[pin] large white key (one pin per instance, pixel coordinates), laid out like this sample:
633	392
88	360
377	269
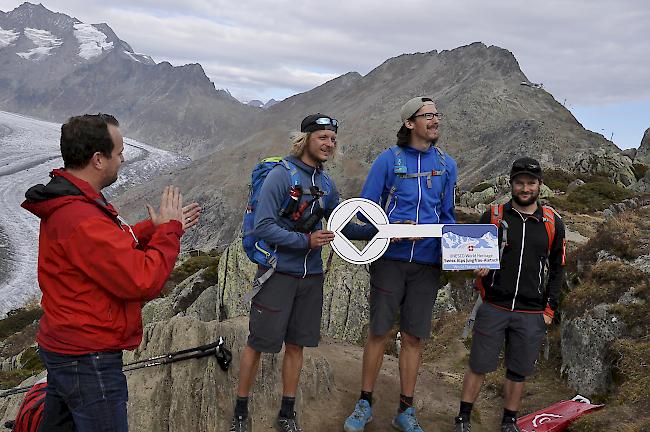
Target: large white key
376	247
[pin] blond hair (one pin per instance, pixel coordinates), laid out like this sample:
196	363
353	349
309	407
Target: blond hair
299	142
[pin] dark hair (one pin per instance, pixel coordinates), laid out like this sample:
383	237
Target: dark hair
403	136
83	136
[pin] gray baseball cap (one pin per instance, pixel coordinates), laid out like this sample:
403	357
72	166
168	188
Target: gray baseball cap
412	106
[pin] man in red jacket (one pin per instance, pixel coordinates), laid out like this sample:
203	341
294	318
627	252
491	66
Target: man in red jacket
95	271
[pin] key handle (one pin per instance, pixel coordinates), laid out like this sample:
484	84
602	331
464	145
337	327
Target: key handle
376	247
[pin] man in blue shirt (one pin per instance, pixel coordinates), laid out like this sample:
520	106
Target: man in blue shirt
414	182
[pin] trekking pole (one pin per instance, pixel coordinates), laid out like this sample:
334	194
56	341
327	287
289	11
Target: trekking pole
15	391
223	355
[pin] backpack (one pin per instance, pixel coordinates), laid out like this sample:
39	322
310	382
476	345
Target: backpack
496	218
30	412
399	169
258	250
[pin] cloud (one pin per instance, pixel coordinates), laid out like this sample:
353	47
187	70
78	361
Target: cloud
587	51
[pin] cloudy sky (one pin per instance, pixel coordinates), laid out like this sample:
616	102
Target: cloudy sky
592	55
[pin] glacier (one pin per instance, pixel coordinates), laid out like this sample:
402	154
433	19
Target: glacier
29	150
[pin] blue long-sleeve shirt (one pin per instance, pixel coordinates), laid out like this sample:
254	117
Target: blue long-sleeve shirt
293	253
414	200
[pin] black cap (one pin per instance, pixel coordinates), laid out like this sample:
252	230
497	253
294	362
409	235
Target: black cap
526	165
318	121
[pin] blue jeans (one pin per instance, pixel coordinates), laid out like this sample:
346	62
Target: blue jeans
87	390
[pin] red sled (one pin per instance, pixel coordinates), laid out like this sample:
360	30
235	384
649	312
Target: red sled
558	416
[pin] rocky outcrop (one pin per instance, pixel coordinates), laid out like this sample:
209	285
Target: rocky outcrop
585	342
643	153
178	301
615	166
196	394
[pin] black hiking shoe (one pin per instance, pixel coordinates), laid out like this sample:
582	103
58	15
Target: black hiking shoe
241	424
509	427
287	424
462	425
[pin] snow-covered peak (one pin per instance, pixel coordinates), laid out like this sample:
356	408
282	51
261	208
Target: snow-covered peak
92	42
7	37
44	41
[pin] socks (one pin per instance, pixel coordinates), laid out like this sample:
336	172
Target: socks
509	416
241	407
405	402
287	407
367	396
465	410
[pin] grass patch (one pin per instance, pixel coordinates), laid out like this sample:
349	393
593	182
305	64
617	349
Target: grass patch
30	365
17	320
605	283
210	262
591	197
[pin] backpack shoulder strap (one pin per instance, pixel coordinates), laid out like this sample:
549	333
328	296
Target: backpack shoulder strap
549	223
496	214
399	169
293	172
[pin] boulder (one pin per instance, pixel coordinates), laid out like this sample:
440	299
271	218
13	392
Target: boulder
574	185
615	166
585	342
178	300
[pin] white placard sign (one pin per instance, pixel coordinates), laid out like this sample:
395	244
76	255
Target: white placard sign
470	246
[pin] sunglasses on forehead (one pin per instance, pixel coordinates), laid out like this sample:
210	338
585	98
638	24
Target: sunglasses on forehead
326	121
526	167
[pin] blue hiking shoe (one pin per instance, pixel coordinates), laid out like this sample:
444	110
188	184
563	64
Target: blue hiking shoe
406	421
360	417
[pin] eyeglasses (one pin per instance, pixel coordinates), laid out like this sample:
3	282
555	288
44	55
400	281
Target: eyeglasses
429	116
327	121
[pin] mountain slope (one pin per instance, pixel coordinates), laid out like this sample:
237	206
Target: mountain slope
490	119
53	66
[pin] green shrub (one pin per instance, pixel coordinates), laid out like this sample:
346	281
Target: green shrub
191	266
17	320
592	197
558	179
481	187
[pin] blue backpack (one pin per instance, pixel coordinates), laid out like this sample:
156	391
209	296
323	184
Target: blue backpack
258	250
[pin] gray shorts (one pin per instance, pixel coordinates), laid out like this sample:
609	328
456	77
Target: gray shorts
287	309
410	288
521	332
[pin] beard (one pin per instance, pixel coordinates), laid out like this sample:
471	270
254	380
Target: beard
526	202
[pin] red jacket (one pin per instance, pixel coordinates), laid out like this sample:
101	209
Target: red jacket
93	273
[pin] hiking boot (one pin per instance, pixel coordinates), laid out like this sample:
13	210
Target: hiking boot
287	424
509	427
406	421
462	425
360	417
241	424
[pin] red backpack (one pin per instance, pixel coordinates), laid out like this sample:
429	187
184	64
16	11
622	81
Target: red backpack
31	410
